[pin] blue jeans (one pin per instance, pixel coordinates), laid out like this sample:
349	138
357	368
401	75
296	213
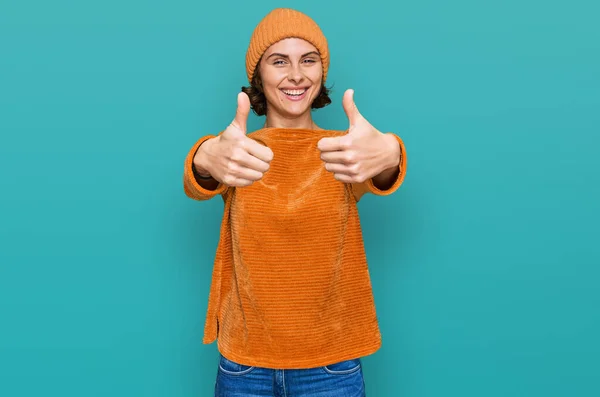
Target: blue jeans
342	379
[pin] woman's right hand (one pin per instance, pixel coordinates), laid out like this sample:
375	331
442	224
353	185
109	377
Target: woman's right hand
232	158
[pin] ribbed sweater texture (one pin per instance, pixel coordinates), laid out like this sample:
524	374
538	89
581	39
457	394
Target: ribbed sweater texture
290	282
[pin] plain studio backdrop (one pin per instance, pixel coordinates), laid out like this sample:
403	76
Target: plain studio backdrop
484	264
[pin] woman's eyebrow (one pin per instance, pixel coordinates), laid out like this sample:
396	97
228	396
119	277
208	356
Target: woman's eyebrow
287	56
278	55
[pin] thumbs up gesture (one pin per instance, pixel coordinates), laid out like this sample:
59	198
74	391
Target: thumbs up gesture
362	153
233	158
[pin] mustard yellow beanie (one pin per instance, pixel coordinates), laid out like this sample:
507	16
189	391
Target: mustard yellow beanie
279	24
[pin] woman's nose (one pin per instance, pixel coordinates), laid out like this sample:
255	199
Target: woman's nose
295	75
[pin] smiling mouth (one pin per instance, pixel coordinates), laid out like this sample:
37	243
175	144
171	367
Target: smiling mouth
294	94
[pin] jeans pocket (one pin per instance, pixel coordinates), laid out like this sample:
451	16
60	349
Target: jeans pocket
230	367
343	367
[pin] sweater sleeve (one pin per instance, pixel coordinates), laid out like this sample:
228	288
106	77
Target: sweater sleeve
191	187
359	189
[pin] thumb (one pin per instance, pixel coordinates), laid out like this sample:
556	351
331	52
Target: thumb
350	107
243	109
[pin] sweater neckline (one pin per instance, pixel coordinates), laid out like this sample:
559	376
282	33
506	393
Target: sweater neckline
290	129
284	133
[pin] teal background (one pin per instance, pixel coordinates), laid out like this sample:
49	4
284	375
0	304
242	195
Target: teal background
485	264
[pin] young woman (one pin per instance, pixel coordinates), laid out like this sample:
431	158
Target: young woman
290	303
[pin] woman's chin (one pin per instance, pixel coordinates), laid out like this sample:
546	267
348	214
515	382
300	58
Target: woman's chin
295	113
295	109
291	110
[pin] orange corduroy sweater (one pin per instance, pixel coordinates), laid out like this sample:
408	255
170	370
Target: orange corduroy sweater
290	283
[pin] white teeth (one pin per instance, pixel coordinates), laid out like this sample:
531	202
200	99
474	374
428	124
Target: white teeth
294	92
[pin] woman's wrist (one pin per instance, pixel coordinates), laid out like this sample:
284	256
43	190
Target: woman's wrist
201	172
198	175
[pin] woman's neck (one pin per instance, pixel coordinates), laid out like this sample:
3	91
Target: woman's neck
304	121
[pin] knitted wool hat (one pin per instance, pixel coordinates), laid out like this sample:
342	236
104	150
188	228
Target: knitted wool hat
279	24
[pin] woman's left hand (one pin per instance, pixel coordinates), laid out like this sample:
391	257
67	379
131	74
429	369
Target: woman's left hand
361	154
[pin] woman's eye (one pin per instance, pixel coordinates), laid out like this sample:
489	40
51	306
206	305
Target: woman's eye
281	61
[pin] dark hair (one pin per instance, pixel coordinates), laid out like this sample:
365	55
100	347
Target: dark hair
258	101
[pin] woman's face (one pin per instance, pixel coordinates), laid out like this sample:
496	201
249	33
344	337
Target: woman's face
291	73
